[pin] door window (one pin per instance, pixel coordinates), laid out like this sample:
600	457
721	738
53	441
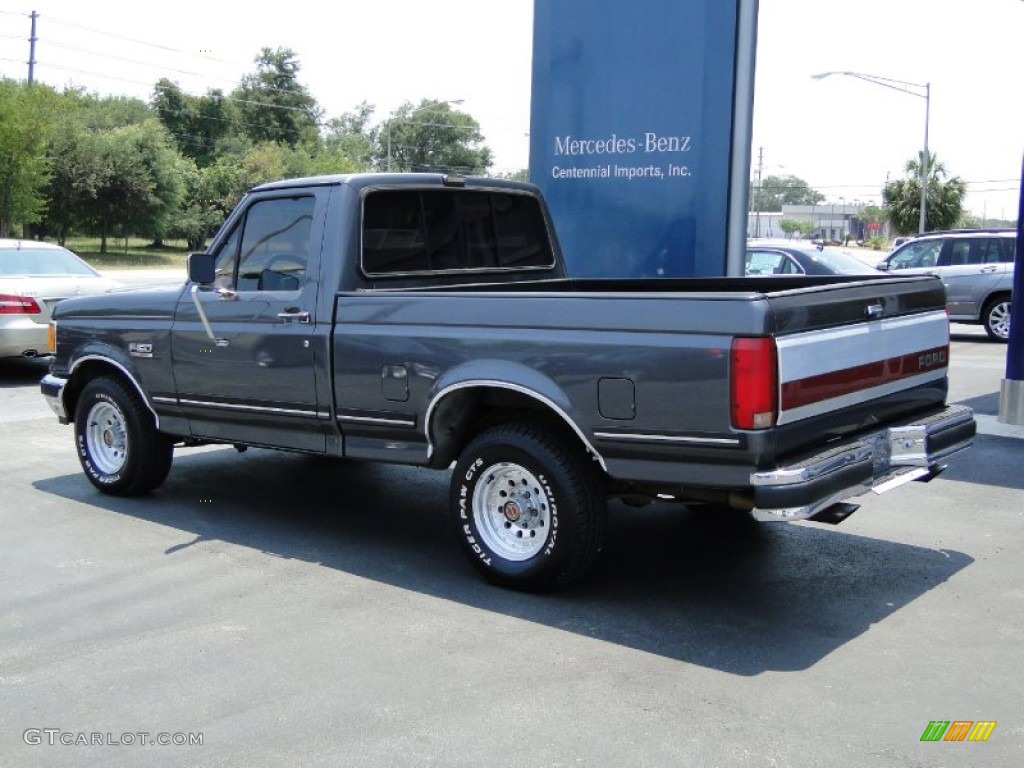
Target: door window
923	255
268	250
966	252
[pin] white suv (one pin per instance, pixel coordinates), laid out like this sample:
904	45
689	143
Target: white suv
976	266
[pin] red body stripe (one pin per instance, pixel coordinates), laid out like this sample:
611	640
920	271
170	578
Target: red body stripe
825	386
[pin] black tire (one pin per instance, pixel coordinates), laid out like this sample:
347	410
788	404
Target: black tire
996	318
529	507
120	449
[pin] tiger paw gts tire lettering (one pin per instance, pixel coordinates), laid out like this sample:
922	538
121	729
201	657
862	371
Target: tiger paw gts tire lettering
118	445
529	507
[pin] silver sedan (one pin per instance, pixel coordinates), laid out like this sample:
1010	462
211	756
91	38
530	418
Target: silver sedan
34	276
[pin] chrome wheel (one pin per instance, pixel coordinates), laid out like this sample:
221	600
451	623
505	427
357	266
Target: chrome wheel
997	320
512	511
107	437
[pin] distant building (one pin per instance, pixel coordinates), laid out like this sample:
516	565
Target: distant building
765	225
832	221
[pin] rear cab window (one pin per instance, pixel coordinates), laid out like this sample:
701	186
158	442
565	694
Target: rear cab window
417	231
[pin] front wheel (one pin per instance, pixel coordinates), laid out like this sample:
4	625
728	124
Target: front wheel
118	444
529	507
996	318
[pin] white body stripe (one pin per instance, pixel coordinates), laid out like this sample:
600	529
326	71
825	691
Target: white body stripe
815	353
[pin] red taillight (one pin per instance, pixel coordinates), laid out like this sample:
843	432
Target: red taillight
753	382
18	305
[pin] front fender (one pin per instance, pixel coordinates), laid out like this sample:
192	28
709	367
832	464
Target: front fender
97	358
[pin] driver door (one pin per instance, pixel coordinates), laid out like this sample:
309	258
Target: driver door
254	382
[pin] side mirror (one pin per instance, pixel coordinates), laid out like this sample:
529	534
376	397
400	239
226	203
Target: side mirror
201	268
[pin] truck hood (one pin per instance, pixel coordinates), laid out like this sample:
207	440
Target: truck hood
135	302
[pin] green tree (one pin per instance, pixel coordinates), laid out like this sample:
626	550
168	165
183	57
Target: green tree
351	137
198	124
944	194
103	113
523	174
82	157
76	164
775	191
138	182
872	216
273	105
431	137
210	194
26	115
791	226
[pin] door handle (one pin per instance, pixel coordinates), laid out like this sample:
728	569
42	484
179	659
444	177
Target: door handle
986	270
294	313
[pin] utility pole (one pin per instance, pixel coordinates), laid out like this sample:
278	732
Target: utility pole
32	49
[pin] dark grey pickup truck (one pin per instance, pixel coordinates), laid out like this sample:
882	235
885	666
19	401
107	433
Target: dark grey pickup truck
427	319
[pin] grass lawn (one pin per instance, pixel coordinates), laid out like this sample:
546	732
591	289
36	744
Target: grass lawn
126	254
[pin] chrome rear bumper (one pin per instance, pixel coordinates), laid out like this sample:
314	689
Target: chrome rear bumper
878	461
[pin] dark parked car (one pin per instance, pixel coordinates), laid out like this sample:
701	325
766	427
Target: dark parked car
793	257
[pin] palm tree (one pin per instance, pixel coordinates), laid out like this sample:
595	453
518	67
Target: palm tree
902	197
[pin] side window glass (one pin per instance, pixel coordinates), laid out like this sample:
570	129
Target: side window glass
960	253
274	245
991	251
790	267
917	256
763	262
1009	249
227	260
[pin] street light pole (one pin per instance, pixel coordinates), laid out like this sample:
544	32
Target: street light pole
924	91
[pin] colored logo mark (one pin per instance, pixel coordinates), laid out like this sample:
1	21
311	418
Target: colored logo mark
958	730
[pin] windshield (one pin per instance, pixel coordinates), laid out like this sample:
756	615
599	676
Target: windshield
42	262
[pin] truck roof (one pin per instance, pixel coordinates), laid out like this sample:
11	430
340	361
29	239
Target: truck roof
361	180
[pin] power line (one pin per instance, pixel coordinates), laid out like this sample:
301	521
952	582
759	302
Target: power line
159	46
90	51
205	58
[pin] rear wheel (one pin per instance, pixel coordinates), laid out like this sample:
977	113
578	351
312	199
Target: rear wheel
119	447
996	317
529	507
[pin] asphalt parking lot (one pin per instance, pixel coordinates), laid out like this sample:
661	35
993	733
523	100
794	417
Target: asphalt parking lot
289	611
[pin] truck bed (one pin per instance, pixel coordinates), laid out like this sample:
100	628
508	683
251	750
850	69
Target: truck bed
641	368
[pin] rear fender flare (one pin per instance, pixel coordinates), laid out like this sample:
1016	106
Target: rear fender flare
501	374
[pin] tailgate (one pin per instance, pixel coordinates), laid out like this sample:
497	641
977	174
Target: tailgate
858	343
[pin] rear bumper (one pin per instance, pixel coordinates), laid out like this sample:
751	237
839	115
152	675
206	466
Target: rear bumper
878	461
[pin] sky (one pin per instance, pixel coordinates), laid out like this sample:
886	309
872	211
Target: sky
842	135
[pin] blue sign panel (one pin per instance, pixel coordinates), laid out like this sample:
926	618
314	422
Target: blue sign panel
634	136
